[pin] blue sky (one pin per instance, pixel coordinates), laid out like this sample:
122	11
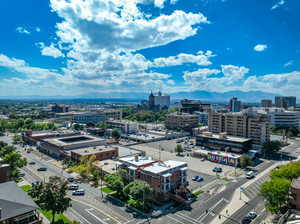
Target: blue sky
69	48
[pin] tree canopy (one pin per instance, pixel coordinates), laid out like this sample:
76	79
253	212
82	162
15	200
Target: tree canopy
245	161
276	193
51	195
138	190
287	171
178	149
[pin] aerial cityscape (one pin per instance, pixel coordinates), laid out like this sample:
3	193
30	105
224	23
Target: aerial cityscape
150	111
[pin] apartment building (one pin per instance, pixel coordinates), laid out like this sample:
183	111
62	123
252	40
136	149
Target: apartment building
247	124
166	178
285	101
182	121
127	127
266	103
235	105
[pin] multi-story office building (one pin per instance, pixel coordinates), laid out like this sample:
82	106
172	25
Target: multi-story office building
202	117
168	179
191	106
159	101
247	124
234	105
182	121
88	117
56	108
96	117
285	101
127	127
266	103
283	118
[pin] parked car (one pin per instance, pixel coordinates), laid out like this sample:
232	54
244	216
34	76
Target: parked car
21	174
70	179
31	163
78	192
200	179
252	215
195	178
217	169
42	169
73	187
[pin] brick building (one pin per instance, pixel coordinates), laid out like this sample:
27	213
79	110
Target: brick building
168	179
101	153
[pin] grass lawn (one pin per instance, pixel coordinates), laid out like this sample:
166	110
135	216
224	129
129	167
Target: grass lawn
59	218
107	190
26	188
197	193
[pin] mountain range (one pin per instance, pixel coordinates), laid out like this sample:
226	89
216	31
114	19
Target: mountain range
207	96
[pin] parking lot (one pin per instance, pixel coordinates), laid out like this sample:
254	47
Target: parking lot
194	184
194	164
169	145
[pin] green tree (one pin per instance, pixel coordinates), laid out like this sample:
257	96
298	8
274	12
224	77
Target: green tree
114	182
138	190
275	192
116	134
123	174
178	149
271	147
78	127
287	171
15	160
52	196
17	139
245	161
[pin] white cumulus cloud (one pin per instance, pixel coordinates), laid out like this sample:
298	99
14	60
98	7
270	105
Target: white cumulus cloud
51	50
260	47
22	30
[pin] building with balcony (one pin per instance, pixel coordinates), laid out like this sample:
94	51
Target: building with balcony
166	178
246	124
181	121
16	207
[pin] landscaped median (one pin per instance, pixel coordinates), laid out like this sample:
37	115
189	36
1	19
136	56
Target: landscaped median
59	218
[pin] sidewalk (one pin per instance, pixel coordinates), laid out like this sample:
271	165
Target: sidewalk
235	203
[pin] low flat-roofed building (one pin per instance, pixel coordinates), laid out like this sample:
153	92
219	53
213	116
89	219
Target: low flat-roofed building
16	206
222	142
101	153
32	137
107	166
59	147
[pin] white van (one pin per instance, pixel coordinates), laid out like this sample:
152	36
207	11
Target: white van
78	192
250	175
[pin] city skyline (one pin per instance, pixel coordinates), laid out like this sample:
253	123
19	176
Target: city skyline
70	48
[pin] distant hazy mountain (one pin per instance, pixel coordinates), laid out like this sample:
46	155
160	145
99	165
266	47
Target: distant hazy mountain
251	96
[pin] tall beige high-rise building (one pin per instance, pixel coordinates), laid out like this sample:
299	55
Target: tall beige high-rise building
245	124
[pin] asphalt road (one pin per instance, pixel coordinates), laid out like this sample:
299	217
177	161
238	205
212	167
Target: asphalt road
85	208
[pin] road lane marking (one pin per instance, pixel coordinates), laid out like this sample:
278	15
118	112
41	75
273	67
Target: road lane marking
186	218
80	216
175	219
96	217
102	212
210	210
